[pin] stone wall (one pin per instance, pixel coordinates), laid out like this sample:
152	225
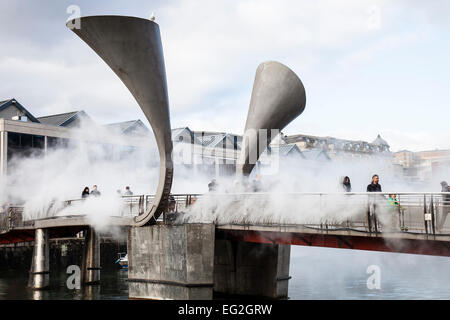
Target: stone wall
253	269
171	261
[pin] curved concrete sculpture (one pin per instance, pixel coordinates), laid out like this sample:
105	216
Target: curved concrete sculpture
278	97
132	48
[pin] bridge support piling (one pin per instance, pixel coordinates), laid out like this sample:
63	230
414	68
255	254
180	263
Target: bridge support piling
253	269
171	261
91	258
40	274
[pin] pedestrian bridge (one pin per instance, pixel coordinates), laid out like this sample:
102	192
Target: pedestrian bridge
413	223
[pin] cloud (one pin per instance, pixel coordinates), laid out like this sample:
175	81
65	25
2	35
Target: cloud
213	49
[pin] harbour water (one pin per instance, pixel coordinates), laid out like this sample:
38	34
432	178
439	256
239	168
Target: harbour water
325	273
317	273
13	285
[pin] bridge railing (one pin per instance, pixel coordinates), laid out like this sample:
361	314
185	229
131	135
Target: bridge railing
12	218
411	212
130	205
137	204
424	213
369	212
133	205
4	224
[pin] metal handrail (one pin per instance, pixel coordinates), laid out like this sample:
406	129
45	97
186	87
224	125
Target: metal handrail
12	218
421	212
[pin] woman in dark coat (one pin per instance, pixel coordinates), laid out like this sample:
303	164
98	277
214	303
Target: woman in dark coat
346	184
85	193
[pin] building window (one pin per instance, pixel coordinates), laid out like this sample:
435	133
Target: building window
24	145
57	143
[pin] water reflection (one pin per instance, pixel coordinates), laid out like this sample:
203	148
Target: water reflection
317	273
13	285
40	294
324	273
91	292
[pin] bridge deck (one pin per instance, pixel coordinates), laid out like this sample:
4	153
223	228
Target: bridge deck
59	227
343	231
398	242
415	224
65	221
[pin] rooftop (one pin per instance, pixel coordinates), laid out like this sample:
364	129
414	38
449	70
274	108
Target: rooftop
57	119
380	141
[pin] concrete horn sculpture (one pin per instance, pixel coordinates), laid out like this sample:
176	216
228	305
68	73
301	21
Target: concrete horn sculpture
132	49
278	97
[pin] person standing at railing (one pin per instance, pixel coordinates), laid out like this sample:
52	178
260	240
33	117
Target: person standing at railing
212	186
395	209
346	185
4	215
4	207
128	192
95	191
393	201
256	184
374	186
445	203
129	204
85	193
171	203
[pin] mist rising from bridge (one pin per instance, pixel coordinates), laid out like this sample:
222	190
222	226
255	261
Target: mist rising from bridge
43	184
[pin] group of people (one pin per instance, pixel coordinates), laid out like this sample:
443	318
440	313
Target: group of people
96	193
255	185
374	185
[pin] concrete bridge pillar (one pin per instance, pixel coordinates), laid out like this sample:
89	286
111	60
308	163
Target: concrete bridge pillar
40	273
254	269
90	266
171	261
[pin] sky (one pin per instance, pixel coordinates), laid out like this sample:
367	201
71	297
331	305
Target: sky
368	67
